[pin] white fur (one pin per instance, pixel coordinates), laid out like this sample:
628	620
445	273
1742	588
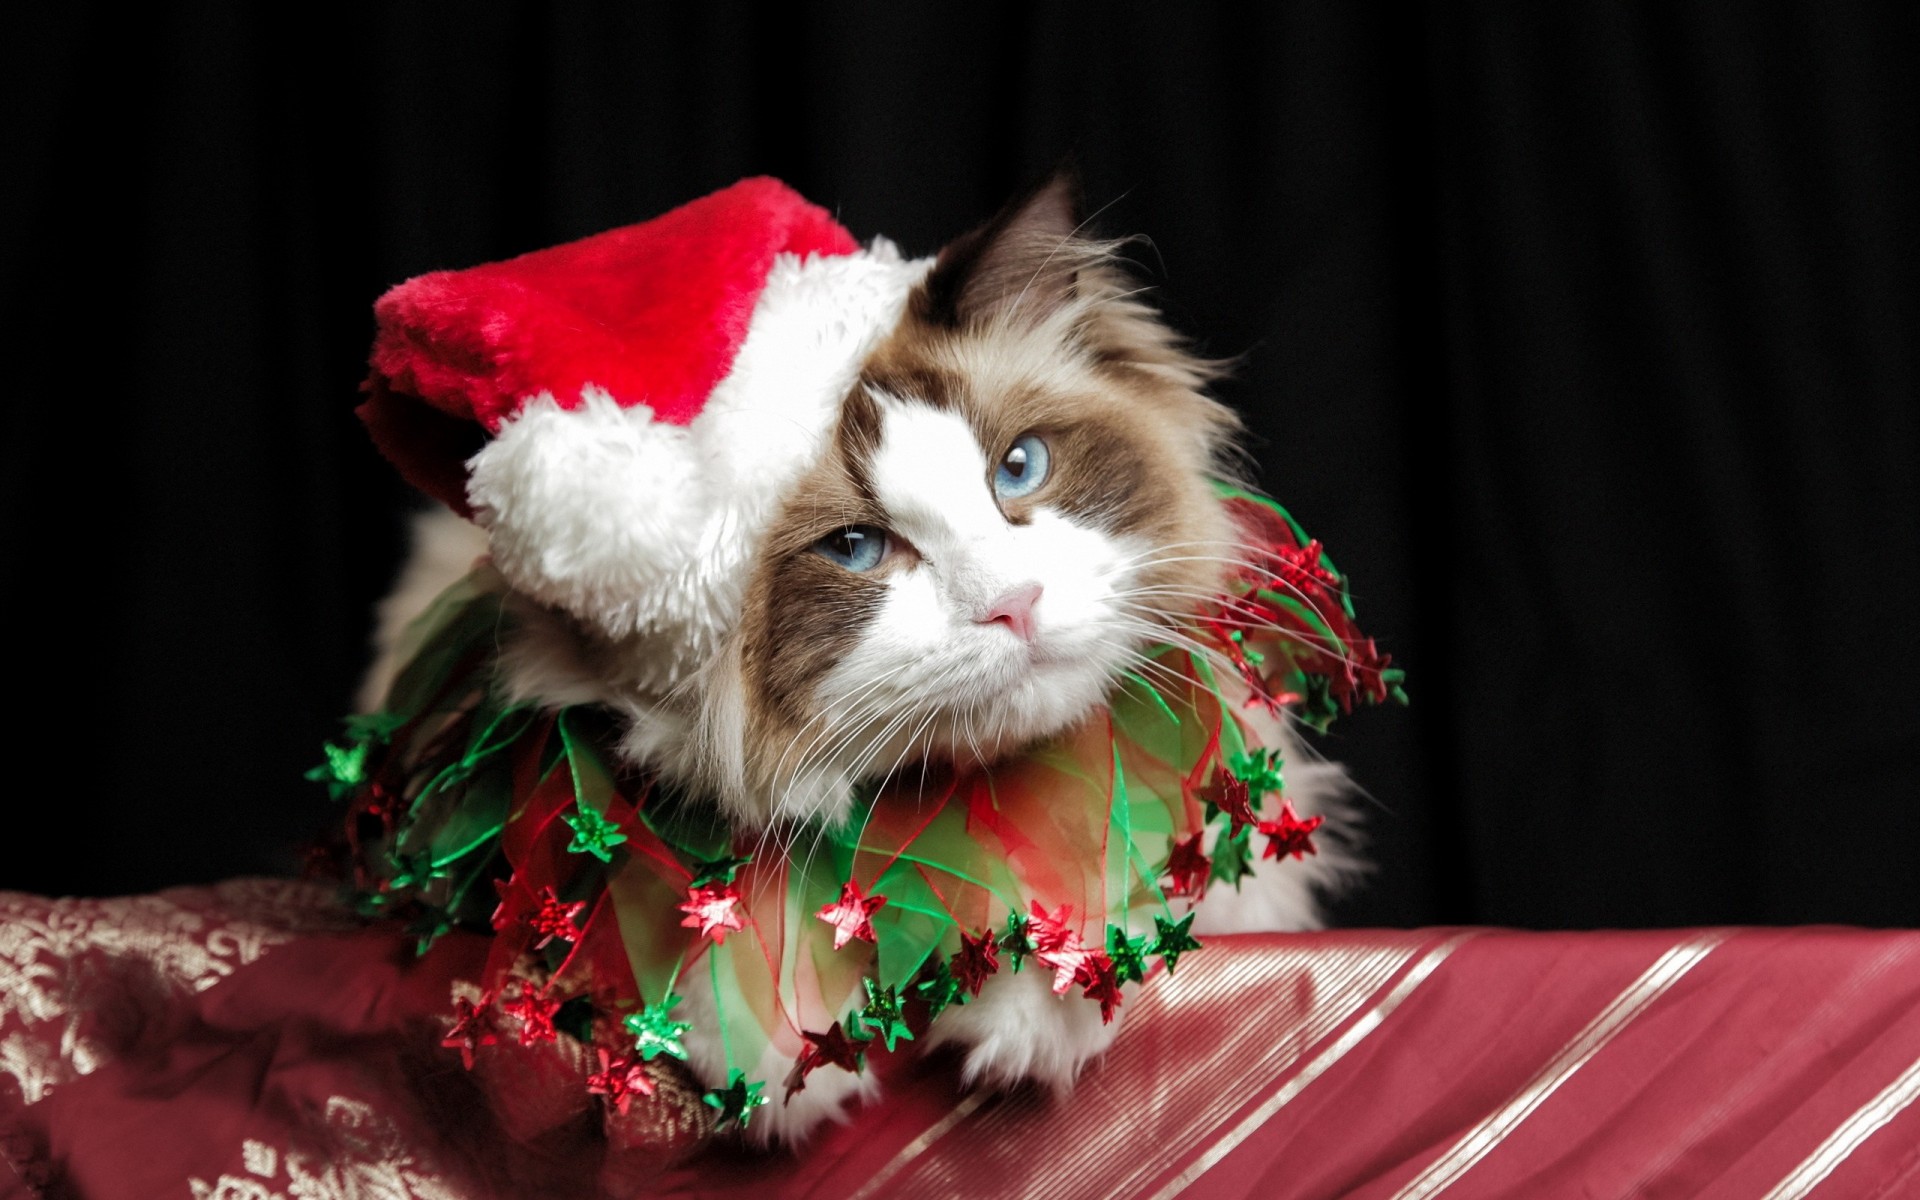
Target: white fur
646	528
1017	1030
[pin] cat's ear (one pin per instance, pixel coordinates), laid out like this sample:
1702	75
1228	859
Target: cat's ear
1020	266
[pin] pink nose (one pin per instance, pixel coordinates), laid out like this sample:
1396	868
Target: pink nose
1015	611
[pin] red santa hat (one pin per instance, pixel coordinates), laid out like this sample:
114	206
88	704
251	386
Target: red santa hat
640	399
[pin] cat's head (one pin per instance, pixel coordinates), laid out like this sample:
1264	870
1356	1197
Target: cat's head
1015	501
933	509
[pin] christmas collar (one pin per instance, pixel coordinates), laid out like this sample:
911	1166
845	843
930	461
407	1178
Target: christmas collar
603	889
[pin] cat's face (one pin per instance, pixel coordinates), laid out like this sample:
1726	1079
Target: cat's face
1016	502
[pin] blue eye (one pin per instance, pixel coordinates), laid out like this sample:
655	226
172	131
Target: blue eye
857	547
1023	469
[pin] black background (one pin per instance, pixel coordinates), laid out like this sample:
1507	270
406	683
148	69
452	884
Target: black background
1583	338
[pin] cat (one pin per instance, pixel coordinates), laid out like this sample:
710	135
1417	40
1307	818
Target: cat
1016	499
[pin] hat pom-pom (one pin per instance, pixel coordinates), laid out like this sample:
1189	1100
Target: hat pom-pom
597	509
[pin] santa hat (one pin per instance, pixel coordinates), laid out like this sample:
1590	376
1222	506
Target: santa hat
639	399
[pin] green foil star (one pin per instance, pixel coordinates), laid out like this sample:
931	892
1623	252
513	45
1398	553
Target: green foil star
1320	708
1260	770
736	1101
1128	955
655	1032
1015	940
1171	940
345	769
427	929
939	988
413	871
1233	857
882	1013
593	834
718	870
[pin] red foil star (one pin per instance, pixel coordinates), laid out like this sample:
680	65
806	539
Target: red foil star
1362	674
556	920
1097	976
1058	946
1188	867
1233	797
710	909
618	1079
833	1046
852	915
1290	835
536	1016
502	916
976	959
472	1028
1300	568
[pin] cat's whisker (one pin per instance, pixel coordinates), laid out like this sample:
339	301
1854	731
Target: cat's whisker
1250	557
873	744
1238	620
881	784
845	737
840	709
840	739
1193	646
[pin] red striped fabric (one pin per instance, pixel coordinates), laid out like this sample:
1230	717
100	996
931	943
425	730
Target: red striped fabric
245	1041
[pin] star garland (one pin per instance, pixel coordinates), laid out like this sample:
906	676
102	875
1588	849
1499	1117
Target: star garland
736	1101
1128	955
832	1048
976	959
554	919
1289	836
620	1078
1172	939
713	909
472	1028
882	1016
593	834
1015	941
450	793
655	1032
1188	868
852	915
536	1014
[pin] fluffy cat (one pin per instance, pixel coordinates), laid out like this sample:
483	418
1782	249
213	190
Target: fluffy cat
1015	501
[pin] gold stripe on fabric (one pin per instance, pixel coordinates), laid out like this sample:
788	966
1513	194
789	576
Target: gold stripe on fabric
915	1148
1332	1054
1245	1016
1639	995
1863	1124
1815	1028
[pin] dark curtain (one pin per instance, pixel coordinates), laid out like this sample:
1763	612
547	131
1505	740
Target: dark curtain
1582	334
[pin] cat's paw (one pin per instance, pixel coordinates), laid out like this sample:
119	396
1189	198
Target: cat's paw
1018	1030
830	1094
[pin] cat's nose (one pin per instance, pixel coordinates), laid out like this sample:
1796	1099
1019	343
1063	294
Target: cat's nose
1015	611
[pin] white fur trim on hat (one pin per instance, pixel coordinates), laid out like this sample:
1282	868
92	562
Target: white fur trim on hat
645	528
